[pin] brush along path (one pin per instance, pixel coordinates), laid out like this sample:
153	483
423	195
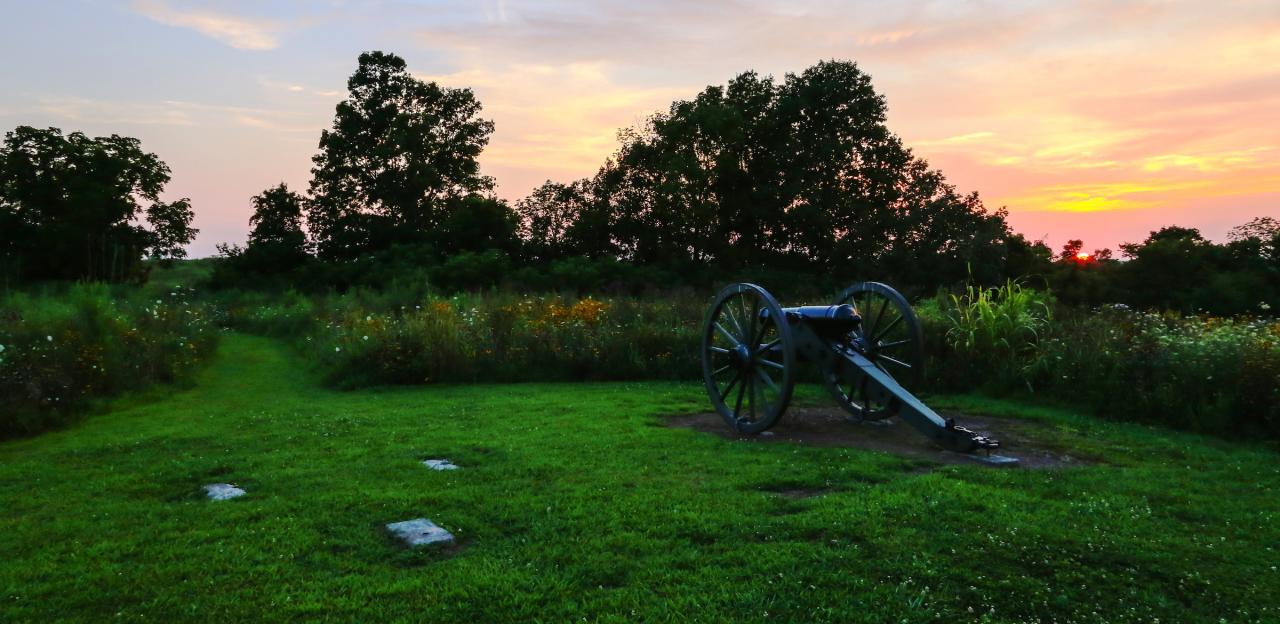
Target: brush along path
578	501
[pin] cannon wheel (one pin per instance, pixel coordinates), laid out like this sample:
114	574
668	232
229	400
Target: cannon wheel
890	336
748	358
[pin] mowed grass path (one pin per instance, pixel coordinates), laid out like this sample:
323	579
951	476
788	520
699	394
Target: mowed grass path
575	502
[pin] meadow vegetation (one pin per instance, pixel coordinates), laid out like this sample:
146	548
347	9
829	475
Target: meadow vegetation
575	501
63	347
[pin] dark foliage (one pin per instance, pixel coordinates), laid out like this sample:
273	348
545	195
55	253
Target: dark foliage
398	163
72	207
1176	268
801	175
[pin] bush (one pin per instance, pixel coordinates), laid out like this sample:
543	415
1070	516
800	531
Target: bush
504	337
1204	374
59	351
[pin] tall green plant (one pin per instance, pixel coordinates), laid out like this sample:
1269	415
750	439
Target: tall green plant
998	329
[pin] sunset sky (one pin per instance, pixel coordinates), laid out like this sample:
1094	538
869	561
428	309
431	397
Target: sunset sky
1093	120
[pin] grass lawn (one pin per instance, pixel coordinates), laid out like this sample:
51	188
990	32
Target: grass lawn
575	502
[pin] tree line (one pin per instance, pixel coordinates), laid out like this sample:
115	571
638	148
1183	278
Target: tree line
797	178
800	175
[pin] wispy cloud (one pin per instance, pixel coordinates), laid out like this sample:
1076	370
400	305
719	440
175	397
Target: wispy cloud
88	110
238	32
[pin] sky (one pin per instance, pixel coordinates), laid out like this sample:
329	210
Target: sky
1093	120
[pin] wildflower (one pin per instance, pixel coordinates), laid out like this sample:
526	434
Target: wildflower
48	338
1	348
365	338
337	349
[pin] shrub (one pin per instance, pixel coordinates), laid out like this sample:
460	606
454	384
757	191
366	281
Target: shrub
1205	374
502	337
59	351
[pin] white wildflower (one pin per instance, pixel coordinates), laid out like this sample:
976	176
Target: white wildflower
337	349
365	338
48	338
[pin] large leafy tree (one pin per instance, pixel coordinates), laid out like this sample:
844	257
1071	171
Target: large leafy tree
75	207
802	175
401	153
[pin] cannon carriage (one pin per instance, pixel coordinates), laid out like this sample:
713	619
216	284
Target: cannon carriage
867	345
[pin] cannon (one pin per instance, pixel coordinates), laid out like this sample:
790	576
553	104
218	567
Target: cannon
867	345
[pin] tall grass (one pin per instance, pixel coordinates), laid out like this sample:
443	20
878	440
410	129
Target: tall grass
59	350
989	336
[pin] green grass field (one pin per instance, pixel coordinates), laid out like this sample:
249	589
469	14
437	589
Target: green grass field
575	502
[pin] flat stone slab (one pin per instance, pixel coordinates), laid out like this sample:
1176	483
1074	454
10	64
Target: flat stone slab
440	464
223	491
420	532
995	460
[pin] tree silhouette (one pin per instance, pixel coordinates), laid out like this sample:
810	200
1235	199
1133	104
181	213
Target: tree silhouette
399	152
74	207
801	175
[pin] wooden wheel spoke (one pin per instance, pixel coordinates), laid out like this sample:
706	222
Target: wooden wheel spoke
715	349
763	376
737	405
736	325
729	388
879	315
886	330
765	348
893	361
771	363
726	334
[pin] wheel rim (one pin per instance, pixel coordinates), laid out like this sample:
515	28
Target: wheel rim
748	358
889	336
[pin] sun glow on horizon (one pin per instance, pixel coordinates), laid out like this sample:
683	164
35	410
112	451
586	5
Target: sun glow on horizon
1100	121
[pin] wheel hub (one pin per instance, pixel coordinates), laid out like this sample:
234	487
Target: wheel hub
740	357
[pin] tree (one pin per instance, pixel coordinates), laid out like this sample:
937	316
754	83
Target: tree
801	175
277	243
475	223
400	150
1171	269
74	207
1261	228
1071	251
563	220
277	220
1259	237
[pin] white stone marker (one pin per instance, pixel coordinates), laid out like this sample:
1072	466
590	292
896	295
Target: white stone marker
223	491
440	464
420	532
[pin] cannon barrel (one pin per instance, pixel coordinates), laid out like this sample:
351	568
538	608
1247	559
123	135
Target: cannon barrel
828	320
